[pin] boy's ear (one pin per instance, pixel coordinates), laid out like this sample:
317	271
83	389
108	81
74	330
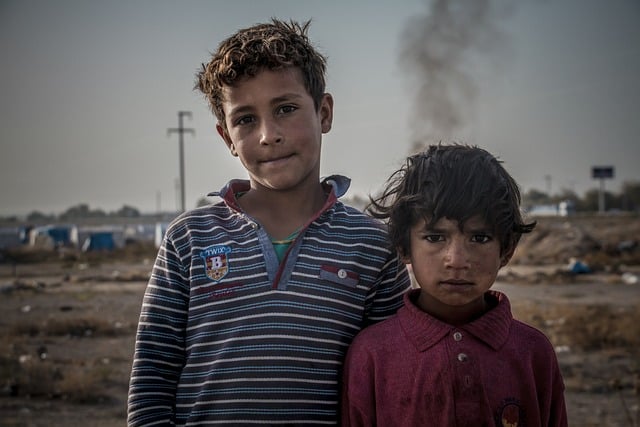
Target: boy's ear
227	140
326	112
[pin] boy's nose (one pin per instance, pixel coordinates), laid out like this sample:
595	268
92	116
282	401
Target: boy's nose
270	132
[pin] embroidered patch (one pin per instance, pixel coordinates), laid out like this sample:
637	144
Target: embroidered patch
216	261
511	414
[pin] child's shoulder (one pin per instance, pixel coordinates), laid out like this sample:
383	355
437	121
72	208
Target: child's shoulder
370	337
530	336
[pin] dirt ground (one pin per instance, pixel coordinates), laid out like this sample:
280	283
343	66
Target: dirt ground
67	324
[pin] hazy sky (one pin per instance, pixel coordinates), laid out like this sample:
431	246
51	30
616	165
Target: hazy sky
88	90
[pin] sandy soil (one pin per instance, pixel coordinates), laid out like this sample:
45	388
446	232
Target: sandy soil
67	326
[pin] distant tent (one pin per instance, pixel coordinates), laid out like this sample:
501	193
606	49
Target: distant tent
99	241
161	229
52	236
24	233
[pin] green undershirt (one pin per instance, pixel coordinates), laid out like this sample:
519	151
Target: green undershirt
281	246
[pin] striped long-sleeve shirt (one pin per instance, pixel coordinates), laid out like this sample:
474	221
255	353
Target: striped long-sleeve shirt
228	335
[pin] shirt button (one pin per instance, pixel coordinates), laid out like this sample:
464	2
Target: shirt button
342	273
462	357
457	336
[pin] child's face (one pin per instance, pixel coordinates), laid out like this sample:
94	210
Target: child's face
275	130
454	268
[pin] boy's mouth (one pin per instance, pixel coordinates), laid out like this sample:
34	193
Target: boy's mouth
275	160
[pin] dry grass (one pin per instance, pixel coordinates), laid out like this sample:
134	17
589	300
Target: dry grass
74	327
586	328
29	370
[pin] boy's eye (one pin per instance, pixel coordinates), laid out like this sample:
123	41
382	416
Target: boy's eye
244	120
286	109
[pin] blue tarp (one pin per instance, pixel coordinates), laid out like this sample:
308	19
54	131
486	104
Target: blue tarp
101	241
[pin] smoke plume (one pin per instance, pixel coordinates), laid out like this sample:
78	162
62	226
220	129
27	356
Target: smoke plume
438	51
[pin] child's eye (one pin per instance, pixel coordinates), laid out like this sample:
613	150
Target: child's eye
481	238
433	238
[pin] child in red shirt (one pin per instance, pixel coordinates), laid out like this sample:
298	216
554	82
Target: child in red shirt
453	355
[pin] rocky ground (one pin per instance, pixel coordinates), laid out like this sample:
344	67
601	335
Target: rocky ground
67	324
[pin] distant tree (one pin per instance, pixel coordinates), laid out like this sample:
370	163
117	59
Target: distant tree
570	196
81	210
127	212
630	196
535	197
591	200
37	216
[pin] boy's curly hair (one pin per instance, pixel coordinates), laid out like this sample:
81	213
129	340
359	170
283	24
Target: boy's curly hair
271	46
456	182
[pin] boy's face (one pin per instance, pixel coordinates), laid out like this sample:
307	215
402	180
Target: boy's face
275	130
454	268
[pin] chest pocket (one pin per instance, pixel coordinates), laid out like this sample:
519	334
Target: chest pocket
340	276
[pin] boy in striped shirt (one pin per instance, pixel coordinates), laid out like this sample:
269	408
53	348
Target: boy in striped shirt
253	301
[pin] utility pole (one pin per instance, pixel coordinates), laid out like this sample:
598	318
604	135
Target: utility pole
548	179
602	173
180	130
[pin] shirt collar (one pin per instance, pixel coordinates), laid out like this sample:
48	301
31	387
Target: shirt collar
426	331
335	185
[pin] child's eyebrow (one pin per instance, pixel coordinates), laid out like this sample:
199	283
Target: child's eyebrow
431	229
479	229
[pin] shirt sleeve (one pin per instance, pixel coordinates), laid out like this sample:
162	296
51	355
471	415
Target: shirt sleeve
386	298
558	409
160	342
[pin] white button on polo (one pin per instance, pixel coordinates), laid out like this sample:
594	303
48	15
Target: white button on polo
457	336
342	273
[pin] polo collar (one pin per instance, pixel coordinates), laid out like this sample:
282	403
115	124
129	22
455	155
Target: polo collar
336	186
425	331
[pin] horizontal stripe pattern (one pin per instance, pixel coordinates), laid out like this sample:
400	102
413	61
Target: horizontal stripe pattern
242	350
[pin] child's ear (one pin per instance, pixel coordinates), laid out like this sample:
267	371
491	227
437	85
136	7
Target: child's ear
326	112
227	140
506	257
404	256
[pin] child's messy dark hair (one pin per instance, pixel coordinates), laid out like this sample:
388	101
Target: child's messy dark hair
456	182
271	46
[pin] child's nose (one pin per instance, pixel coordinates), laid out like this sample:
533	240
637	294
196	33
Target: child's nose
457	254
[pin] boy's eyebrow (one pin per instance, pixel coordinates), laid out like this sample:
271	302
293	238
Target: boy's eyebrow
243	109
286	97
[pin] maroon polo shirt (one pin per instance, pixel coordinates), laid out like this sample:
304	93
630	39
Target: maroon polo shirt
414	370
